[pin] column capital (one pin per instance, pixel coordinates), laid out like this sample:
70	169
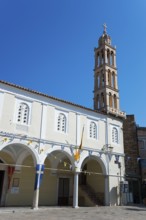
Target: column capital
77	170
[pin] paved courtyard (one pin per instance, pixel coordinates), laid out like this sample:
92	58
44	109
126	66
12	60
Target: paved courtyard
85	213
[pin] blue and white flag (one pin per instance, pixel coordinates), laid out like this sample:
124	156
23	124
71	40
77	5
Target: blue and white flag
39	175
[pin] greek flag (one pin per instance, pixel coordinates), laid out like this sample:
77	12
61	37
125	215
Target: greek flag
39	175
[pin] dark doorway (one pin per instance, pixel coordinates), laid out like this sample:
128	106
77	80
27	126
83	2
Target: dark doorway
63	194
134	189
1	182
83	176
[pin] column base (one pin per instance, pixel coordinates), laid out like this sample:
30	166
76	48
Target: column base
35	208
76	207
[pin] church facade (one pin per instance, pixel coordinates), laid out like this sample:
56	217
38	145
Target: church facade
54	152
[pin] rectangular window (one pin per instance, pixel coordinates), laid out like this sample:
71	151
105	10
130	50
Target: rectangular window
141	145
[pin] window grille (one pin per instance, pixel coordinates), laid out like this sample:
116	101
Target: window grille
115	135
61	123
93	130
23	113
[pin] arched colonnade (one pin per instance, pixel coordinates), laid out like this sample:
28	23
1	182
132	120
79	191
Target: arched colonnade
49	175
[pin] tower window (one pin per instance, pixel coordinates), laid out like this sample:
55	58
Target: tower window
102	58
23	113
110	100
112	58
108	57
98	60
61	122
98	82
102	100
93	130
109	78
114	135
113	80
115	101
98	102
102	78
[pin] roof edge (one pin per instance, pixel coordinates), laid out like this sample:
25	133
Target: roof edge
47	96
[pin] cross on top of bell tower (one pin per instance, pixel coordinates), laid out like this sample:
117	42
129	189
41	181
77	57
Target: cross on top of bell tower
105	27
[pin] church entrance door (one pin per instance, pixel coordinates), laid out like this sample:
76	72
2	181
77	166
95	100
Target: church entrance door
63	192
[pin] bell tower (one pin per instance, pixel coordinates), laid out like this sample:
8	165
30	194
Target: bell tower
106	93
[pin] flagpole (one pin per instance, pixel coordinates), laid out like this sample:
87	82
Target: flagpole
81	143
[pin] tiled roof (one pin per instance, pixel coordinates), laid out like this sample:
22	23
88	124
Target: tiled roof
47	96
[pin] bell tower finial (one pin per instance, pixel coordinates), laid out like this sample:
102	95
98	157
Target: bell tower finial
105	27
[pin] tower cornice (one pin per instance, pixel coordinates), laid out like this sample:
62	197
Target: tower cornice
104	65
103	47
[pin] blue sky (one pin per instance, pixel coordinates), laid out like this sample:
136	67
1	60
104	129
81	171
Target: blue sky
48	46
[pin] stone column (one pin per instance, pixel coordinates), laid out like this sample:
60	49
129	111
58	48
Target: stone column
106	77
38	179
114	59
118	106
100	54
75	192
105	57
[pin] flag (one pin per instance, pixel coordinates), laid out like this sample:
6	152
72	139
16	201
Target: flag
39	175
77	155
80	147
77	151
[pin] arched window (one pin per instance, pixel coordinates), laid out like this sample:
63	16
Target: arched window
113	80
93	130
23	113
61	123
115	101
102	58
108	57
114	135
98	102
110	100
109	78
112	58
102	100
98	81
98	60
102	75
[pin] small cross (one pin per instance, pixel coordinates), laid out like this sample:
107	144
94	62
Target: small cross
105	27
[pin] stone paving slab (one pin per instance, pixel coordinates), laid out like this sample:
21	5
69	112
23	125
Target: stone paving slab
82	213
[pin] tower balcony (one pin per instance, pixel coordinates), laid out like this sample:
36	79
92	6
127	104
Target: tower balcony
116	112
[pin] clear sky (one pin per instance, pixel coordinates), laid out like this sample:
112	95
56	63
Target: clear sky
48	46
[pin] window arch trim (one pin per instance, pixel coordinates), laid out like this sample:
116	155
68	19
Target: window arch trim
93	129
115	135
61	122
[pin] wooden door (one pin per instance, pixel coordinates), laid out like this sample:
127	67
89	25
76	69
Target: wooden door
63	192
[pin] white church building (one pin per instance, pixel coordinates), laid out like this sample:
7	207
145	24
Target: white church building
57	153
